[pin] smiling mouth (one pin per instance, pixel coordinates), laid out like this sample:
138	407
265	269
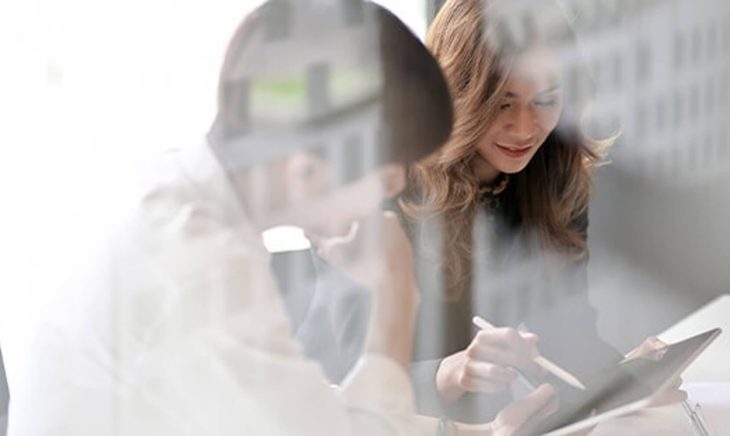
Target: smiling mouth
513	151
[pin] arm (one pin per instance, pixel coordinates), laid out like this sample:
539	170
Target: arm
377	255
468	407
470	389
213	346
334	329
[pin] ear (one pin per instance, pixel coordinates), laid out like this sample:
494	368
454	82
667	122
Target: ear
302	167
305	175
393	180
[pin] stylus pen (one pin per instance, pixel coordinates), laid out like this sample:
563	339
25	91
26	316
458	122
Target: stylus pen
539	360
698	424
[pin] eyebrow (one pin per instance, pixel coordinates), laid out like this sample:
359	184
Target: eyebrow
550	90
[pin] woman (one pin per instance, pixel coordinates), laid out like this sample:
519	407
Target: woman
518	166
498	220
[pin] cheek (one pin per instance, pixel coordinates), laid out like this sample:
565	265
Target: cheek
488	138
548	118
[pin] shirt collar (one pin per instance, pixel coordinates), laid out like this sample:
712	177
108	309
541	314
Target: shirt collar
205	171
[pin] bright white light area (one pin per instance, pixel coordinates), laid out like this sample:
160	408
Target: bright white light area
90	90
285	238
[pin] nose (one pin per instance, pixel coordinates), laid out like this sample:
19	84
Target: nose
522	126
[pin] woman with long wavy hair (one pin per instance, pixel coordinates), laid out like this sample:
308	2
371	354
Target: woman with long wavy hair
499	215
498	219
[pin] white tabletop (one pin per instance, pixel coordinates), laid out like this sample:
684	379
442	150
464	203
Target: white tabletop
713	365
706	380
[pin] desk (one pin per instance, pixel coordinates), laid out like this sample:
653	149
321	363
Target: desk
713	365
672	420
707	381
664	421
714	399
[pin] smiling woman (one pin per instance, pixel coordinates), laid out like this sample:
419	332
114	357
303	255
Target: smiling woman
506	82
528	113
498	217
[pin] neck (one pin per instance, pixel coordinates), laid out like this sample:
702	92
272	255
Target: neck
484	171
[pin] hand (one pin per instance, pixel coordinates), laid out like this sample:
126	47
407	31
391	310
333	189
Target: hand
375	252
518	417
671	395
486	365
653	348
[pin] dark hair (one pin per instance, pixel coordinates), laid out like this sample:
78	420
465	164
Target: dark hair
415	99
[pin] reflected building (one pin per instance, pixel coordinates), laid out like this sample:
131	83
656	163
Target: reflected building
331	94
661	78
662	72
339	77
659	217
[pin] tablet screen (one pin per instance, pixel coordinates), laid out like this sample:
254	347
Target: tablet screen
625	383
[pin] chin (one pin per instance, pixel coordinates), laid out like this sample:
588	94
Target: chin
513	168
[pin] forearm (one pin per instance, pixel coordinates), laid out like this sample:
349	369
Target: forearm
392	320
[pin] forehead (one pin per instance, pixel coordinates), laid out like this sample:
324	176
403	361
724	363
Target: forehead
535	70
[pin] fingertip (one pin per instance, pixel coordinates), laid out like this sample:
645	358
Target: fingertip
682	395
532	337
546	389
389	214
540	398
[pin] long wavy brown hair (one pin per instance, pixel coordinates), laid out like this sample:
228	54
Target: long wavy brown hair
475	54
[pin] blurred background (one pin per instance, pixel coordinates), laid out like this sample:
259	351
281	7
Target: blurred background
90	89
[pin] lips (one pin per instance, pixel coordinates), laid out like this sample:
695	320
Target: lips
514	152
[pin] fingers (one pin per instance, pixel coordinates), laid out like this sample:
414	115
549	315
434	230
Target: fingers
532	338
507	347
677	382
483	385
652	348
655	343
375	250
491	372
519	415
486	377
655	348
330	248
670	396
677	396
508	338
539	400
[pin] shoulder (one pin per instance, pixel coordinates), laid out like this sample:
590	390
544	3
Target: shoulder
175	199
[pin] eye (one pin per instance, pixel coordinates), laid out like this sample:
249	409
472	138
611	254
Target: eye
547	102
505	106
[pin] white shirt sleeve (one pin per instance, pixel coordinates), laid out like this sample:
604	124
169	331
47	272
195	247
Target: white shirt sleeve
185	334
380	392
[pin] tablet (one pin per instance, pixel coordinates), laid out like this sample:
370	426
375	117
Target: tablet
623	388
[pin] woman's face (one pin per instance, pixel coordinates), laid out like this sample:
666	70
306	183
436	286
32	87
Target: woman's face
528	113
